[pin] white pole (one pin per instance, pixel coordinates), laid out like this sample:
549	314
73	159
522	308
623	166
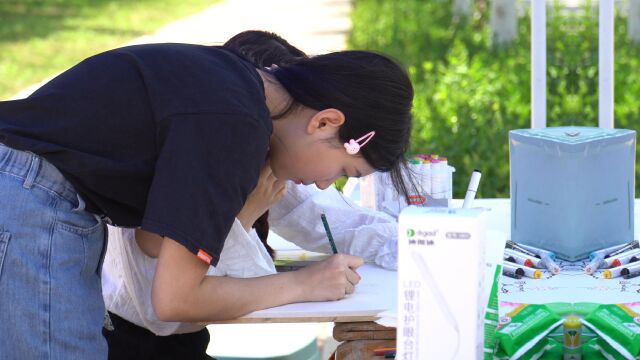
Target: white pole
605	65
538	64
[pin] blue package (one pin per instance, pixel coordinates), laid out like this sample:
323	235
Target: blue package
572	188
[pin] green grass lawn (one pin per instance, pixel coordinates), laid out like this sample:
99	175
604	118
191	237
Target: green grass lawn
39	38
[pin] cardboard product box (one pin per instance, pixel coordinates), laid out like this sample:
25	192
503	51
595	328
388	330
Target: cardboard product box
441	271
572	188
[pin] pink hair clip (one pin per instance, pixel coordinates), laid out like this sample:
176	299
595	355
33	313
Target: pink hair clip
353	146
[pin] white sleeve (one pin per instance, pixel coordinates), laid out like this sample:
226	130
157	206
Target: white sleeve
358	231
243	255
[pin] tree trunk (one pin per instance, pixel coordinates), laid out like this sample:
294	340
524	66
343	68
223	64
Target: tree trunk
462	8
504	21
633	21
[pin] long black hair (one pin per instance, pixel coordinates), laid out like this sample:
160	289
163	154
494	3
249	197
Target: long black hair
263	49
371	90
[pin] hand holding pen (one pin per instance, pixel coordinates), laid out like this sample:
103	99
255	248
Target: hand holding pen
329	279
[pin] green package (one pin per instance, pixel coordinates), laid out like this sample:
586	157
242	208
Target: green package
534	352
491	316
561	308
591	350
619	326
553	351
581	309
523	328
608	352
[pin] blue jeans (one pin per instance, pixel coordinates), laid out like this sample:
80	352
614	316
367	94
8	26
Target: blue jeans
51	249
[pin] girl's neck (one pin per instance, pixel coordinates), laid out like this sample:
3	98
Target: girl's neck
276	96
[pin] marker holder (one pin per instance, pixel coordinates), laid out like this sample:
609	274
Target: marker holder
434	184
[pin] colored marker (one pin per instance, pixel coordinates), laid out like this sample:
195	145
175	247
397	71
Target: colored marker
472	188
572	333
382	351
621	259
390	355
594	264
548	258
597	258
512	245
630	246
624	270
510	271
511	274
522	271
522	259
632	275
605	252
328	231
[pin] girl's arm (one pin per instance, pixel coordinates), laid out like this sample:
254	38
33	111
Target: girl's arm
182	292
359	231
268	191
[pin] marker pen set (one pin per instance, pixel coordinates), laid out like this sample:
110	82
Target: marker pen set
434	174
520	261
619	260
433	179
517	271
538	257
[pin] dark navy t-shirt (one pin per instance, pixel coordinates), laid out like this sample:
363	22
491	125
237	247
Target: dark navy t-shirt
170	137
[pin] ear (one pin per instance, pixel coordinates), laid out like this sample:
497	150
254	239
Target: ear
326	120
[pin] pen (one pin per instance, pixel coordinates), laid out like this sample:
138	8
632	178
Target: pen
472	189
623	270
328	231
605	252
622	258
523	259
547	258
597	258
382	351
512	245
594	264
520	270
630	246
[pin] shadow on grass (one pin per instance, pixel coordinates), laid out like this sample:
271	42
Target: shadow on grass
26	19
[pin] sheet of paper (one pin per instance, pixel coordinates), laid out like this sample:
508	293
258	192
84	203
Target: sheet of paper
375	293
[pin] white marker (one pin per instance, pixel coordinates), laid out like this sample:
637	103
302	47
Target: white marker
630	246
594	264
522	270
623	258
547	257
621	271
522	259
605	252
597	258
472	189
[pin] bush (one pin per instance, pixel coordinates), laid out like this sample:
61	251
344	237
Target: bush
468	95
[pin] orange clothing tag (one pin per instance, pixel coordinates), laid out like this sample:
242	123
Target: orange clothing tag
205	257
417	199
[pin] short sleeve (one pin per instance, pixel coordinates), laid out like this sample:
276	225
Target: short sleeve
207	165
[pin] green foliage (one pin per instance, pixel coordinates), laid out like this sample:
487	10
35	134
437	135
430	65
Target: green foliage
468	94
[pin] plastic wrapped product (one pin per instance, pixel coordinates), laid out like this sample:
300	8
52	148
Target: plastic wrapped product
619	326
523	328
